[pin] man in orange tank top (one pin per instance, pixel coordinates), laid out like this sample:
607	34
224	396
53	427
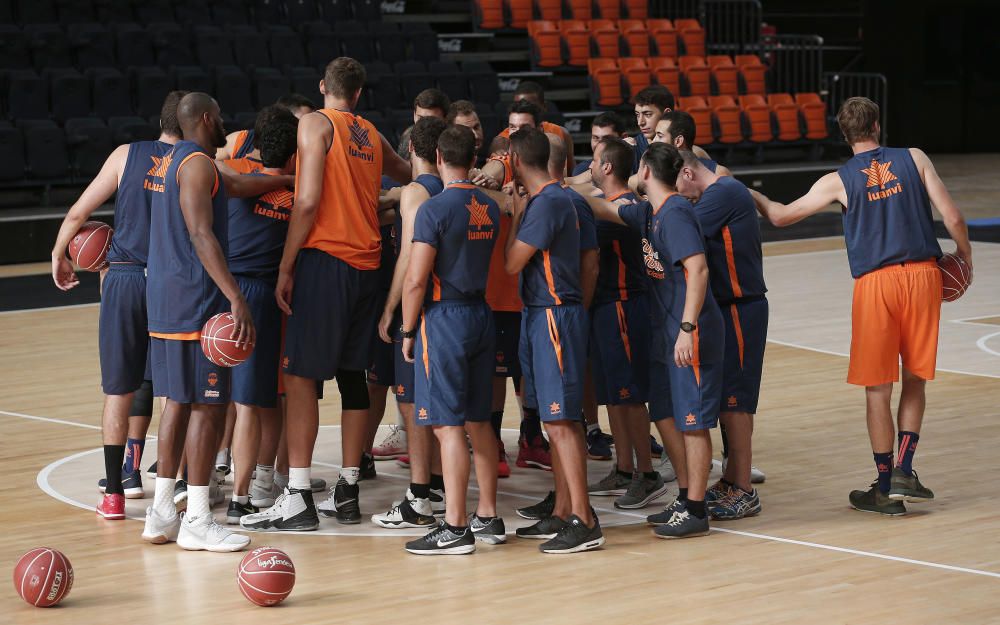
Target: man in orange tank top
328	286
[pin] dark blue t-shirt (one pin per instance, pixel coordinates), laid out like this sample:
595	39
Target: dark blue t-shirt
257	230
588	225
641	145
622	269
550	224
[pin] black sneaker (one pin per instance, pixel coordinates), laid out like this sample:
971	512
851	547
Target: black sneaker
539	510
873	500
239	510
131	484
903	488
293	511
490	530
444	540
436	498
345	497
545	529
575	537
151	471
682	524
367	467
662	518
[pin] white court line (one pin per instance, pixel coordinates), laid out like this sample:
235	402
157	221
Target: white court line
981	344
48	308
50	420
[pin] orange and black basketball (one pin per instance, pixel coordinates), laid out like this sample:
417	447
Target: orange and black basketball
956	276
43	577
218	341
89	248
266	576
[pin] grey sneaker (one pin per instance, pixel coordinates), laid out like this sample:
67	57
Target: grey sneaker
682	524
662	518
872	500
614	484
641	491
737	505
908	488
546	528
490	530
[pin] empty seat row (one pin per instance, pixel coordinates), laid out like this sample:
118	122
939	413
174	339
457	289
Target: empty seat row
187	11
780	117
496	14
93	45
573	42
390	87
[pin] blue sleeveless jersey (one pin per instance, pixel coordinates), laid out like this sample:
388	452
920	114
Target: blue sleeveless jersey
257	230
138	185
434	185
887	219
180	295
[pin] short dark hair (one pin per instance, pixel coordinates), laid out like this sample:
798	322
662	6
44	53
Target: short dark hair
292	101
343	77
655	95
499	143
460	108
457	145
857	118
277	140
665	162
270	115
528	87
681	125
433	99
608	119
424	137
619	154
168	114
523	106
532	147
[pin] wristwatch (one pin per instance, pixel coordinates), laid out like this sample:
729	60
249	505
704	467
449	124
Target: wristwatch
411	334
688	327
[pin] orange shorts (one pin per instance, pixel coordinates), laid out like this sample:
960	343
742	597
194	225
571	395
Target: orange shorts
896	314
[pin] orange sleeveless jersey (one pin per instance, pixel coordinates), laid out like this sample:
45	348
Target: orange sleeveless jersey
555	129
501	287
347	224
244	165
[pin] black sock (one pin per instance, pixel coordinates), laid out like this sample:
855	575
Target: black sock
114	455
696	508
133	453
907	447
883	464
650	475
531	424
496	419
437	482
420	491
682	494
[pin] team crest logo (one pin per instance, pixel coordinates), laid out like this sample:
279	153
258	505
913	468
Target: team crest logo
500	357
732	403
361	145
879	176
690	419
652	259
284	362
555	408
400	390
275	205
213	379
422	413
156	173
480	224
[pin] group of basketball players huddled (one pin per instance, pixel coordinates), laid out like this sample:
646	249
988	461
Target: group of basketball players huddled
634	281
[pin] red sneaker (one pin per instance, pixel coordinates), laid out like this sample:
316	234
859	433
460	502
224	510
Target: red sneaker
503	467
403	461
112	507
535	455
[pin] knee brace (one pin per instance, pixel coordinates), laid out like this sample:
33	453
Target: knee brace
353	390
142	400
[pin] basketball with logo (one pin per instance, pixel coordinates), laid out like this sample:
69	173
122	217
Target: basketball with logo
266	576
43	577
218	341
956	276
89	248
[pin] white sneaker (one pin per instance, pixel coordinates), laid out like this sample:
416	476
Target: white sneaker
666	469
204	534
392	446
215	494
756	475
327	507
160	529
263	497
411	512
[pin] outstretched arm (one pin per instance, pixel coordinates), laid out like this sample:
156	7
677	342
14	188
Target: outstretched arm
239	185
825	191
952	217
604	210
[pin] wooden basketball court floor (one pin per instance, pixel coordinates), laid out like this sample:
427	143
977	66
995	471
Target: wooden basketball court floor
807	558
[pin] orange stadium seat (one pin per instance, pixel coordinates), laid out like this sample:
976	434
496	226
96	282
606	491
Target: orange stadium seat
666	73
664	37
787	115
606	39
549	9
546	43
605	81
609	9
725	74
520	12
580	9
637	9
752	70
697	75
814	112
728	115
489	14
692	35
698	109
577	39
635	36
636	73
758	116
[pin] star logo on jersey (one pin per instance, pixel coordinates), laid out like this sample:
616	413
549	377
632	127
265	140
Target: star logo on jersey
422	413
624	393
160	165
652	259
731	402
555	408
400	389
359	135
480	224
690	419
879	176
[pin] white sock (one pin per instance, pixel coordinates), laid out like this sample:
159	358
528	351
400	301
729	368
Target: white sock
163	499
299	478
198	502
264	476
351	474
280	479
241	499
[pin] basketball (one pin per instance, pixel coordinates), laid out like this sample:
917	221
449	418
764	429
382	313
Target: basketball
266	576
89	248
219	344
956	276
43	577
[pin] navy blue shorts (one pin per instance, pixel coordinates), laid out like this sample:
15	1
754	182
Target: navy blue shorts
619	350
381	369
181	372
255	382
333	317
123	337
554	359
402	370
746	337
454	351
507	364
660	360
688	394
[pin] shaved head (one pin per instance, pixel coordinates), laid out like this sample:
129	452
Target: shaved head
557	155
199	110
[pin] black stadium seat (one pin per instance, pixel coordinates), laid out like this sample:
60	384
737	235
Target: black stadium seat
36	11
336	10
321	49
245	120
391	44
229	12
49	46
129	129
114	11
153	11
134	45
11	153
355	40
90	143
424	41
251	50
92	45
151	86
76	12
45	148
28	95
268	12
110	91
287	50
173	45
69	94
413	78
449	79
192	13
268	84
214	49
192	78
13	48
301	11
483	83
305	80
232	90
367	10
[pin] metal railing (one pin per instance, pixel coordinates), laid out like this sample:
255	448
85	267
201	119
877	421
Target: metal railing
840	86
731	26
796	62
674	9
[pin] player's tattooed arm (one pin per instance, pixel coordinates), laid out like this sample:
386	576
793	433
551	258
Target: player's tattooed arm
825	191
